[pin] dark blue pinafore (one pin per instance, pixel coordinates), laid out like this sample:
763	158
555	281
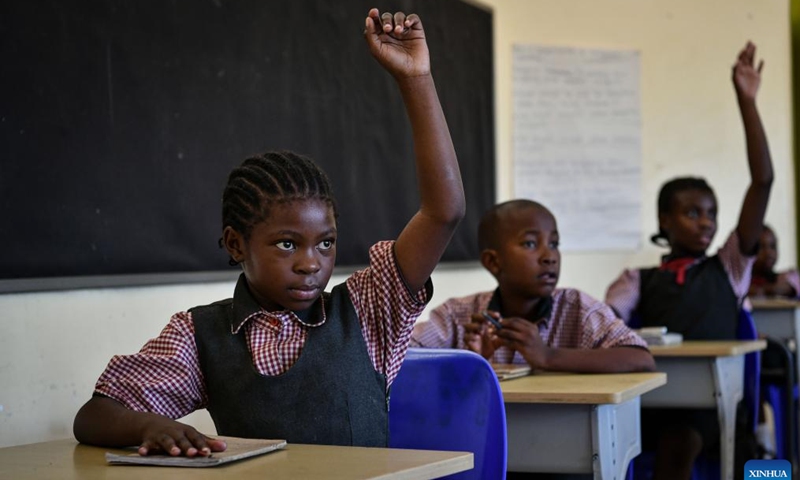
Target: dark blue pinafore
332	395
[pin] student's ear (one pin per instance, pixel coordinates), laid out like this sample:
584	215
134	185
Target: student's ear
490	261
233	242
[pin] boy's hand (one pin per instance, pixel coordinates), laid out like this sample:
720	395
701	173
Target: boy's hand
398	43
479	336
164	435
747	78
523	336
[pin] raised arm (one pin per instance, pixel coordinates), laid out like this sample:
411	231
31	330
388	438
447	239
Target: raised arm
746	80
398	43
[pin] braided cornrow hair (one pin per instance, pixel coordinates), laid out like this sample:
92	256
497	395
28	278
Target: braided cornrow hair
666	199
270	178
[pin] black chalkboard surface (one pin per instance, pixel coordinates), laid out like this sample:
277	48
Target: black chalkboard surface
120	120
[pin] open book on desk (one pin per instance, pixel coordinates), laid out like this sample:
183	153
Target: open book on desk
507	371
238	449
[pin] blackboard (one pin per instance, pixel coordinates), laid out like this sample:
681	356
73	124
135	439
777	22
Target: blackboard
120	120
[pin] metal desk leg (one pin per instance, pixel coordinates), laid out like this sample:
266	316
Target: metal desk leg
728	383
615	438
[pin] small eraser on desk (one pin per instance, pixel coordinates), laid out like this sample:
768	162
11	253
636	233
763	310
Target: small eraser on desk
652	330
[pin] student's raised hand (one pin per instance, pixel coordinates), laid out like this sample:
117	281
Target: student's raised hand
162	435
479	336
523	336
746	77
398	43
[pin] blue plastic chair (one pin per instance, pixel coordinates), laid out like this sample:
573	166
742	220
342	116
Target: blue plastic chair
752	369
705	469
446	399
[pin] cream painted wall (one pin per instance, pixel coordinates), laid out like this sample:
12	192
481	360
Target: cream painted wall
54	345
690	121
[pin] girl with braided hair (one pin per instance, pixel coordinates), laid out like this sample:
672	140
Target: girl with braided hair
283	358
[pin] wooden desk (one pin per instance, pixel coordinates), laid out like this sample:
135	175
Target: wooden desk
573	423
774	303
778	318
66	459
705	374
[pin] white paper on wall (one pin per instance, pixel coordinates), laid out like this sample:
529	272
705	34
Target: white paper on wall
577	142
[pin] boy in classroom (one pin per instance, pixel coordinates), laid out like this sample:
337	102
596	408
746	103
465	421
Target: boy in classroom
282	359
766	282
541	325
694	294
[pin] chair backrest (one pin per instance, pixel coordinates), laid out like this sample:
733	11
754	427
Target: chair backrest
446	399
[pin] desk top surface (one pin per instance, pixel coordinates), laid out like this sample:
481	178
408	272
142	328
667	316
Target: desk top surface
595	388
774	303
709	348
66	459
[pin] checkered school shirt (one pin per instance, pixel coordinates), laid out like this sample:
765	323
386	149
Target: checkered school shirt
165	376
623	294
576	321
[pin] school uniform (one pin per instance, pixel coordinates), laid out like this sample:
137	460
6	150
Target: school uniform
699	298
317	376
628	294
576	321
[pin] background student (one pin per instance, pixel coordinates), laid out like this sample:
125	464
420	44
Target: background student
282	359
766	282
694	294
546	327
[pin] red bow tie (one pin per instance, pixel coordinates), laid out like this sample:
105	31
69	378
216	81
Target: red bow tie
679	267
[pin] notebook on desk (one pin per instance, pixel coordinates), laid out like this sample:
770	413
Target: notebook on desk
659	336
238	449
507	371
